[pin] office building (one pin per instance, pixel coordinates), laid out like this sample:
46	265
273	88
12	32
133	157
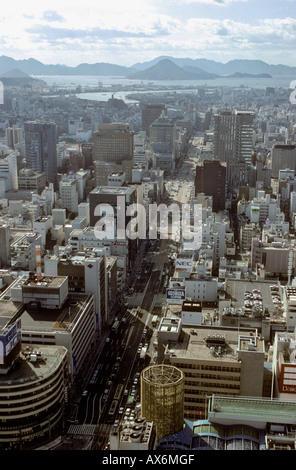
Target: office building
118	199
8	173
214	361
284	358
233	140
151	112
68	188
86	272
283	156
4	244
113	143
163	130
210	180
23	419
30	180
23	252
52	316
14	135
41	149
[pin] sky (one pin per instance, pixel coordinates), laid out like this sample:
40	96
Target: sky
126	32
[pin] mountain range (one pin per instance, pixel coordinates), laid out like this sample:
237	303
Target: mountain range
160	68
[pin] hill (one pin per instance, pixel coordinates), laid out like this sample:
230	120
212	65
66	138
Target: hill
253	67
166	69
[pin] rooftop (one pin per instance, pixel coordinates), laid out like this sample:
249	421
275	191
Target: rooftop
277	411
210	343
25	369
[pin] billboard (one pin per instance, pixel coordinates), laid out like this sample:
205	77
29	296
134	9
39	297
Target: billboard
9	340
176	295
183	265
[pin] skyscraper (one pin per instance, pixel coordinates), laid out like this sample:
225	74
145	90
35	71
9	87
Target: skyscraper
233	133
41	148
150	113
210	180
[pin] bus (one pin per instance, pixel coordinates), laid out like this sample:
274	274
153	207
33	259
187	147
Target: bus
112	410
118	392
154	321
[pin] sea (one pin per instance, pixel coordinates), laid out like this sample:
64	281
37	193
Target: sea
87	83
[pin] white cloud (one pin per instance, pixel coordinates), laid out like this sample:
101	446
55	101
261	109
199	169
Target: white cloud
131	31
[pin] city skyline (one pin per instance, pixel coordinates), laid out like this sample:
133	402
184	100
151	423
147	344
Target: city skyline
131	32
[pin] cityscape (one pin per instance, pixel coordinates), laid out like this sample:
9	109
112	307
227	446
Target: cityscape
148	256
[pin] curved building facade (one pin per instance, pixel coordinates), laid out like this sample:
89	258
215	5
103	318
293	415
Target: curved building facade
32	395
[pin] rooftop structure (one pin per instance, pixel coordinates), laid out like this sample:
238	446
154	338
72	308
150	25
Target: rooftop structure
162	395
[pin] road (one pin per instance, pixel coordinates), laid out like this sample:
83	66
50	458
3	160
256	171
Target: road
119	362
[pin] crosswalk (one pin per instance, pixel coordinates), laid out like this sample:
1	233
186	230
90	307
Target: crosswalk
82	429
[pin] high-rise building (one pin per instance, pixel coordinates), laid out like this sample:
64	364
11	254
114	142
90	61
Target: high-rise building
150	113
210	180
233	138
163	130
69	193
41	148
14	135
4	243
282	157
8	173
113	142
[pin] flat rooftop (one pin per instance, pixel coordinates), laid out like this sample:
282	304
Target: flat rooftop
112	190
196	342
41	318
278	411
236	290
26	370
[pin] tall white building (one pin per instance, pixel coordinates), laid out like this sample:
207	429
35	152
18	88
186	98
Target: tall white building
69	194
8	173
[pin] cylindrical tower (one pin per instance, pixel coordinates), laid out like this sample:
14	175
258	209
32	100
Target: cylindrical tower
162	398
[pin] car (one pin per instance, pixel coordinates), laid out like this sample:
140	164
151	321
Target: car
125	392
121	410
135	381
107	340
116	423
85	393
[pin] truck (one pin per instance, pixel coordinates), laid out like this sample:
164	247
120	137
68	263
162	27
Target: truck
115	325
154	321
143	352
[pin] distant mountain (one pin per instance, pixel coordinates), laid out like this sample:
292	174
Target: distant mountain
34	67
15	73
233	66
166	69
16	77
249	75
187	68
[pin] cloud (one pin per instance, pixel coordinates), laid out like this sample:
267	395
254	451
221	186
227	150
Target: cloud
222	3
55	34
51	15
